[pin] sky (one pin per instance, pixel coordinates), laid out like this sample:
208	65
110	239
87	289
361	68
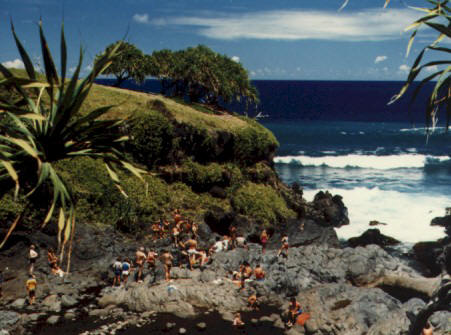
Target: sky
277	39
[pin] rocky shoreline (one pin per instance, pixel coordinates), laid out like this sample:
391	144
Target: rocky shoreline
361	290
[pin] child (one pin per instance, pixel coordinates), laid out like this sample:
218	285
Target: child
31	285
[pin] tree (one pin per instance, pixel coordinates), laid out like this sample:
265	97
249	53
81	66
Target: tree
41	125
129	63
202	75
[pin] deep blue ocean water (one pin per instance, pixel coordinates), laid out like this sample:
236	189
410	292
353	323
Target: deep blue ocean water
342	137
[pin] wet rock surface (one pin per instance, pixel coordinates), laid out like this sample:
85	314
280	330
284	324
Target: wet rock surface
345	290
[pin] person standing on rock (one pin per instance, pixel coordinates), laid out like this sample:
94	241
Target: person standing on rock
151	259
232	234
264	240
126	268
167	259
175	235
32	257
284	247
140	257
428	330
246	273
31	286
117	269
191	246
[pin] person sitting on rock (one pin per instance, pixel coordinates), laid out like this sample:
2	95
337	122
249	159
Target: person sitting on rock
284	247
31	286
140	258
259	273
151	259
294	310
237	322
166	259
126	269
32	257
53	262
264	237
427	330
203	256
236	278
252	302
246	273
241	242
218	246
117	268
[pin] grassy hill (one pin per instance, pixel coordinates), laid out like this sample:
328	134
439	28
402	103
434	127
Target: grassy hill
196	160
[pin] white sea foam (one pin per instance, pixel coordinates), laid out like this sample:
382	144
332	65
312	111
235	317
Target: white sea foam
407	215
364	161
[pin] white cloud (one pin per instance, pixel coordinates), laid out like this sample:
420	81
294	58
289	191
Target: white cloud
15	64
404	69
141	18
236	59
380	59
366	25
88	68
431	69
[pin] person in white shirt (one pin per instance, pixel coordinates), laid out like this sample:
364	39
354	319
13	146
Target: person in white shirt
32	257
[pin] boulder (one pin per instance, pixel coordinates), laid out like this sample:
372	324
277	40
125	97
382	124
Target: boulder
54	319
8	319
429	254
329	210
372	236
52	303
201	326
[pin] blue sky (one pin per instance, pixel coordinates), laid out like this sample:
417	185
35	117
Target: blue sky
278	39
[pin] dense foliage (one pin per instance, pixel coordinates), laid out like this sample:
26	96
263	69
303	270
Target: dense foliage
202	75
128	63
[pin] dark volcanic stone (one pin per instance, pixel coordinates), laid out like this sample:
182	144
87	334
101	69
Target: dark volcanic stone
372	236
429	254
330	210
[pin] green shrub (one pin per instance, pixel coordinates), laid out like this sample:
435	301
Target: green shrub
253	144
152	139
262	203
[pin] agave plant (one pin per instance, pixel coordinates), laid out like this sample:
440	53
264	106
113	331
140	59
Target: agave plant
45	126
438	17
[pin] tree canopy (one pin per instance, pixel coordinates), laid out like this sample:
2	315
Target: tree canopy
202	75
128	63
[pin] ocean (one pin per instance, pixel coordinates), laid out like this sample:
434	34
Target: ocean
342	137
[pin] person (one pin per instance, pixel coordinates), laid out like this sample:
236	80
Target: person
427	330
53	262
151	259
177	217
259	273
32	257
203	255
227	242
232	234
140	257
166	259
252	302
31	286
246	273
156	230
191	246
284	247
117	269
237	322
241	242
194	229
294	310
218	246
166	228
264	240
126	268
175	235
